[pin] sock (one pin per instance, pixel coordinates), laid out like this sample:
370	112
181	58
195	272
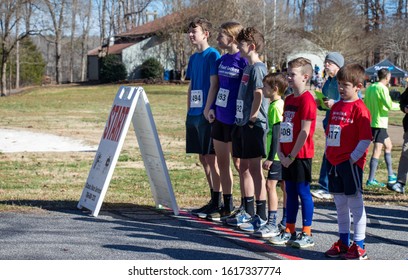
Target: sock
228	205
242	205
373	168
249	205
388	163
283	222
272	217
307	230
291	228
360	243
261	209
345	238
216	199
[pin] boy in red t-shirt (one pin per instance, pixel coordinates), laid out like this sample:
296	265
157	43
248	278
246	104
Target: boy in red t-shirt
296	151
348	136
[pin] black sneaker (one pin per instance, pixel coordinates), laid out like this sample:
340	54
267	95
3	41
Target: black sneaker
210	209
219	214
397	187
201	209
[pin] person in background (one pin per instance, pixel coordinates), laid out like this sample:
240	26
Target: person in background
378	100
332	64
399	186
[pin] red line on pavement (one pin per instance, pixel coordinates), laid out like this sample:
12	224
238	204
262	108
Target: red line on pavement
241	236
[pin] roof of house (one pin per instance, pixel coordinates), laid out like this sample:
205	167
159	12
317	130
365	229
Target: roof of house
167	23
114	49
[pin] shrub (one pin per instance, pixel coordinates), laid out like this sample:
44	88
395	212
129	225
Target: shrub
112	69
151	69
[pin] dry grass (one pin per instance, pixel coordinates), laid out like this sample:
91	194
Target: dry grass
38	181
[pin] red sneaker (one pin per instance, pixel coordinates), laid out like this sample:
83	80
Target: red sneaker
355	252
338	249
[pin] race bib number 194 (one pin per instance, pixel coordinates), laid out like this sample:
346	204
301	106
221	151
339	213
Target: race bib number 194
196	99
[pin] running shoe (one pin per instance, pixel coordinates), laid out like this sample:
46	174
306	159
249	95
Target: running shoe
303	241
284	238
397	187
254	224
374	184
219	214
239	219
337	250
392	179
322	194
210	209
201	209
355	252
267	231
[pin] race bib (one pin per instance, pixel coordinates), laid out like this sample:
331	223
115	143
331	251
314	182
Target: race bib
222	97
240	108
196	99
333	137
286	132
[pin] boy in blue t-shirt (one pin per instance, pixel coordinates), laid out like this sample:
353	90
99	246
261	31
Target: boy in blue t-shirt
202	72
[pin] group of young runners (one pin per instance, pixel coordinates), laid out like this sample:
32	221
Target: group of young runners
266	121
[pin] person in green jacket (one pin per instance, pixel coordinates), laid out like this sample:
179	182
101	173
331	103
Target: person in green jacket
378	101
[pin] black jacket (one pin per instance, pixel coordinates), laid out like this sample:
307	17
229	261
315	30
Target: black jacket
403	104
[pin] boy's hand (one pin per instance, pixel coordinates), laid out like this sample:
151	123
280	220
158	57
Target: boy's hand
286	162
211	116
205	113
329	103
267	164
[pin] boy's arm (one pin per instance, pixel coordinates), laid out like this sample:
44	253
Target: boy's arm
256	104
300	141
188	97
212	92
386	99
274	141
359	151
404	100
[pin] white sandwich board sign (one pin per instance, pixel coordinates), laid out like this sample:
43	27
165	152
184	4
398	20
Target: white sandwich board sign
130	105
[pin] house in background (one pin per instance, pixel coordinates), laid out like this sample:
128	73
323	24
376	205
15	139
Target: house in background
311	51
154	39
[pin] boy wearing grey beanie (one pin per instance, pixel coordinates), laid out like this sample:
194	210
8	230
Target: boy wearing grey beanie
332	64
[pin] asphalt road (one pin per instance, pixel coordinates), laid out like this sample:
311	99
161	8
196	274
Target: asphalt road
151	234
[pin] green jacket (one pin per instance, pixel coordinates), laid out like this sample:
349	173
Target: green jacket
378	101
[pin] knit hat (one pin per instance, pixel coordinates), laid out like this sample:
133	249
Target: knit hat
336	57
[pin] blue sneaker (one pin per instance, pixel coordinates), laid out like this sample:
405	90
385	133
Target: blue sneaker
284	238
303	241
239	219
392	179
253	225
374	184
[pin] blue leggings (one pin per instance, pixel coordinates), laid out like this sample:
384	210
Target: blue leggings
302	190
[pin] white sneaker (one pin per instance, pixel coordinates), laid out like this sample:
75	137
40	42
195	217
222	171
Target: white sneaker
322	194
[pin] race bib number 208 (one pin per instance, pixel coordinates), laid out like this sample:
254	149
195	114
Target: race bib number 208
286	132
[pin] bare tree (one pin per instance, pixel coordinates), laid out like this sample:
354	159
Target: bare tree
74	12
9	19
56	9
85	19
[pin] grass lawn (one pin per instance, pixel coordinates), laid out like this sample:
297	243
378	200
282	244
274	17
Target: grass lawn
35	181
